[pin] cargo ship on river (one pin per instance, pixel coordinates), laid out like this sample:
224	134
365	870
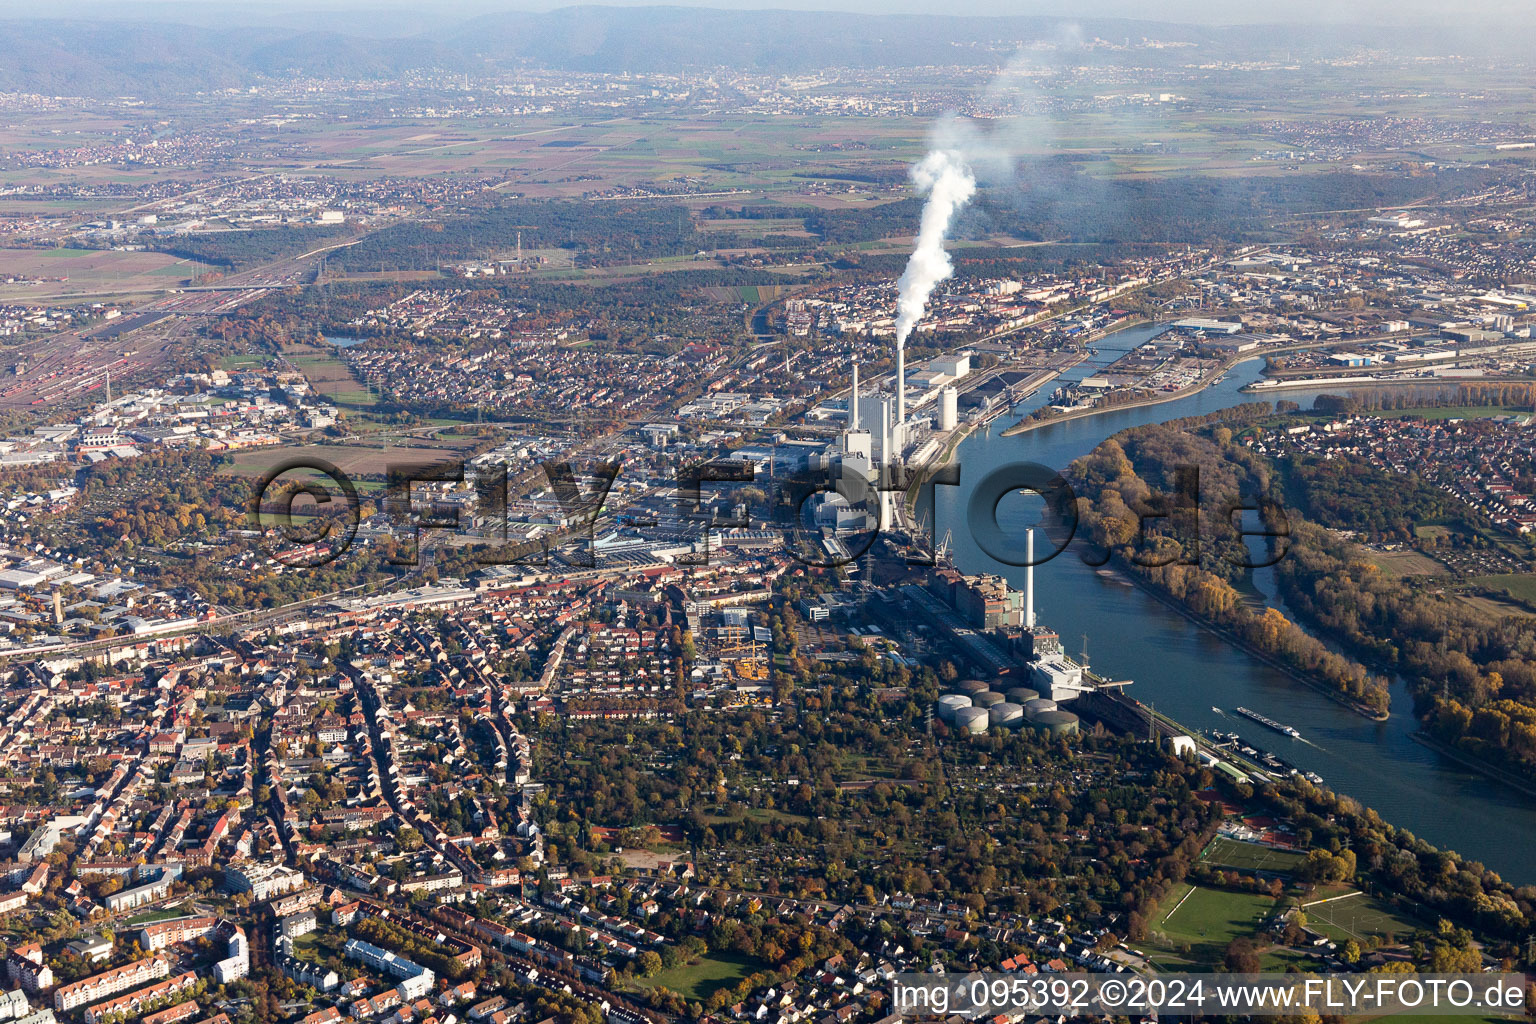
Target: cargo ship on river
1262	720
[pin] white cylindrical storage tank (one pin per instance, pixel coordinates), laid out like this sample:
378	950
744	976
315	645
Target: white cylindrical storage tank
1039	706
1021	695
949	408
1056	723
973	721
950	703
987	698
971	687
1007	714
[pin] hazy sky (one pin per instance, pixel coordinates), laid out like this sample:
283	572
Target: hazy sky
1492	12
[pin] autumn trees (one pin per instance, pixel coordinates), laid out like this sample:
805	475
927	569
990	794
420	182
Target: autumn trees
1161	501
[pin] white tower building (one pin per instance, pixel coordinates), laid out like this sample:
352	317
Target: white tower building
853	400
1029	579
949	408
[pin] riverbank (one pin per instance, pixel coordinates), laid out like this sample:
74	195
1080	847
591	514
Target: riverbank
1031	386
1356	381
1179	665
1025	425
1480	765
1249	648
945	456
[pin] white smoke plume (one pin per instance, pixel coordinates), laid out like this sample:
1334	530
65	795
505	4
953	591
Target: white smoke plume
945	177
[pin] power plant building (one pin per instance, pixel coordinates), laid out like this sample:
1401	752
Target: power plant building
1058	679
984	602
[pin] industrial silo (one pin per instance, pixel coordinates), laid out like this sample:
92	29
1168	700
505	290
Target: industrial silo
949	704
1055	723
972	721
987	698
971	687
1038	706
1006	714
1021	694
949	408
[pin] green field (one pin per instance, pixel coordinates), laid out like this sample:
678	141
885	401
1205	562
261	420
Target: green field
1355	917
701	980
1519	585
750	293
1208	919
1232	853
329	376
1456	412
1278	959
320	944
152	916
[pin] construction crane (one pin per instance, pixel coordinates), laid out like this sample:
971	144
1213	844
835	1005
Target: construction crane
741	640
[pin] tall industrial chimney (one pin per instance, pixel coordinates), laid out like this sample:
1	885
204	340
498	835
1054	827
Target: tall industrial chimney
901	391
883	481
885	434
1029	578
853	400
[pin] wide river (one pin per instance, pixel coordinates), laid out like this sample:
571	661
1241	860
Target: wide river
1186	672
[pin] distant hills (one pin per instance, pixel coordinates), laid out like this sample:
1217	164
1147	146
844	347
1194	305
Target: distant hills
103	57
98	59
610	39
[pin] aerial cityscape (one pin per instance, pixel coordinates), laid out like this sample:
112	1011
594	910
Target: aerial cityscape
674	514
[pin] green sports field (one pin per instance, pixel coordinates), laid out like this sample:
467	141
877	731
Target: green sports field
1206	919
1355	917
1234	853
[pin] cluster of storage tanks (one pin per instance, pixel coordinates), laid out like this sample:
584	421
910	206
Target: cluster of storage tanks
975	707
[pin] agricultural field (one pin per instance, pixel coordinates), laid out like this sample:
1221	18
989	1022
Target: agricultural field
788	227
1233	853
79	273
60	130
561	157
1357	916
1519	585
1492	608
353	459
1405	563
329	375
752	294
